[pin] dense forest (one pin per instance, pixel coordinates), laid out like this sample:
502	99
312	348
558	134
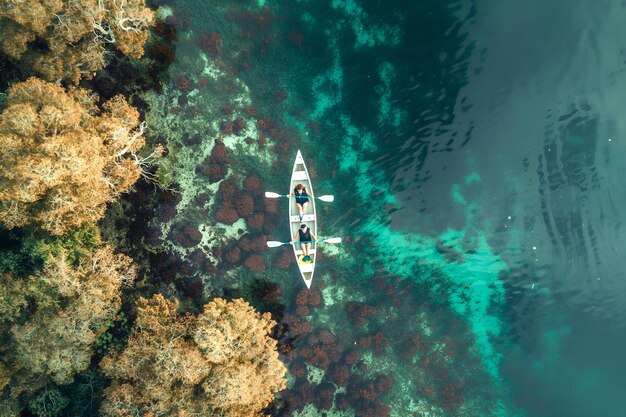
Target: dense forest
83	328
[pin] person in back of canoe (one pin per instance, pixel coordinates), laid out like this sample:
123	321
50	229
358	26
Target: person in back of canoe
305	236
302	198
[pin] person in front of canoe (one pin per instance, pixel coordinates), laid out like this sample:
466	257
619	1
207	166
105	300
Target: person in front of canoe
305	236
302	198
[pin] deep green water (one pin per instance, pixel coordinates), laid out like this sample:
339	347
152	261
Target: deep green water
476	153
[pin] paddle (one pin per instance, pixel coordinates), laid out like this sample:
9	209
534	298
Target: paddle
275	244
327	198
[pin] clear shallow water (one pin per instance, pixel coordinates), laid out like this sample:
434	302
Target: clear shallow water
476	152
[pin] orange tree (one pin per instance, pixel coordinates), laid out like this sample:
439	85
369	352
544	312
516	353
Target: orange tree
222	362
70	37
62	158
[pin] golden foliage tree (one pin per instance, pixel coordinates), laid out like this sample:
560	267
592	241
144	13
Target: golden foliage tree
75	34
51	321
222	362
61	158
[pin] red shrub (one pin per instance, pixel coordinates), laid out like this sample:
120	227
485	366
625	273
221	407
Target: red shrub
171	197
305	390
258	243
339	374
255	263
298	369
269	224
341	402
226	214
321	349
226	192
226	128
233	256
183	83
410	346
314	297
250	111
254	185
284	259
309	297
296	326
188	237
271	293
324	395
238	125
217	173
364	342
255	221
211	43
166	212
358	313
379	343
363	397
303	311
450	397
208	267
245	243
352	356
244	204
202	83
271	206
384	384
219	153
202	198
227	109
197	256
192	111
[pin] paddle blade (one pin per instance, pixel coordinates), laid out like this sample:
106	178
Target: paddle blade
270	194
332	240
327	198
274	243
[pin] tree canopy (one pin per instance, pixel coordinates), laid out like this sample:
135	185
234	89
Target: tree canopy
70	37
222	362
50	321
61	157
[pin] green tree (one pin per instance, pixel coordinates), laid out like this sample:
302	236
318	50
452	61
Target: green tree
50	322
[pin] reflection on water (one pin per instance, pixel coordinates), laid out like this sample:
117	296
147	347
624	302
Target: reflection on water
546	140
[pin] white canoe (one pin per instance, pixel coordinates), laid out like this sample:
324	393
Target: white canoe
300	175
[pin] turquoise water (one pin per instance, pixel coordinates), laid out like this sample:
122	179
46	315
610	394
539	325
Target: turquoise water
475	150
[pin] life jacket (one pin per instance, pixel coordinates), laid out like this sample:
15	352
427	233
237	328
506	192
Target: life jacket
301	197
305	236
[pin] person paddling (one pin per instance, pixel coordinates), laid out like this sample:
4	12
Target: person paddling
302	198
304	235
